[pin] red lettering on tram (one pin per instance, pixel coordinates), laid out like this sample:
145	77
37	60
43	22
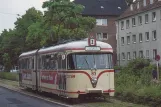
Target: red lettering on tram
49	77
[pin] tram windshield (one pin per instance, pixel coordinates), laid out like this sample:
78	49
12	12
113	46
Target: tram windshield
90	61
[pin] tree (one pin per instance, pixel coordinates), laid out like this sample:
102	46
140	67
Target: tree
10	45
35	35
7	61
22	24
63	20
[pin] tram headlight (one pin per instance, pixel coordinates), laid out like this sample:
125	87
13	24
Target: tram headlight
94	80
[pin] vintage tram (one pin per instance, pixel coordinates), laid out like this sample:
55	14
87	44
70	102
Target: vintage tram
72	69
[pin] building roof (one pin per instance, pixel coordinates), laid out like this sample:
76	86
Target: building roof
102	7
141	9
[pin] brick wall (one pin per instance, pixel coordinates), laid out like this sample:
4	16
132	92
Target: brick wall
110	29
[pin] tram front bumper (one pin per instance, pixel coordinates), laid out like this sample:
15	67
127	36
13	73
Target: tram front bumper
94	91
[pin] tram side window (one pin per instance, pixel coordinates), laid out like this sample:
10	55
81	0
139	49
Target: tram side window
23	63
27	63
61	63
31	63
71	61
48	62
40	62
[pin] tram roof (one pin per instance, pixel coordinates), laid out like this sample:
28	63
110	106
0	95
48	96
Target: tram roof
74	45
28	53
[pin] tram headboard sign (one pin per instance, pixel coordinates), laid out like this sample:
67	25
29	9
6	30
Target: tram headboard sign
93	48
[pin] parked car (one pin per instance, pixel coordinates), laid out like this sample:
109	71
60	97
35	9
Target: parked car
15	69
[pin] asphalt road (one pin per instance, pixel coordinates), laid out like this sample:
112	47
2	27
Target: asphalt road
10	98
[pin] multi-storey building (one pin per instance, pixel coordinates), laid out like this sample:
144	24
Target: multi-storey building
105	12
139	31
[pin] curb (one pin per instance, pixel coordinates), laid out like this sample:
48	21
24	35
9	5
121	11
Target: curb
21	92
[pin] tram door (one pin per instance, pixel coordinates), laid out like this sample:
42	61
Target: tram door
61	75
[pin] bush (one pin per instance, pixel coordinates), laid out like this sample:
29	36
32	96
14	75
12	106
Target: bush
9	76
133	83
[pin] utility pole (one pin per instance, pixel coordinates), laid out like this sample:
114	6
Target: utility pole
157	58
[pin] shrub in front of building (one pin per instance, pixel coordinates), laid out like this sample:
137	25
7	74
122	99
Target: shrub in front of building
134	83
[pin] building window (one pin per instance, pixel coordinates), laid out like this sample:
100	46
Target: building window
146	18
98	36
140	20
105	37
134	55
101	36
140	37
123	56
151	1
147	36
134	38
153	16
138	4
131	7
128	39
144	3
127	24
133	22
122	25
101	22
141	54
154	53
147	54
128	56
154	35
122	40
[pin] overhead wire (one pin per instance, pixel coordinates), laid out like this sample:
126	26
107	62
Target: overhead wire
9	13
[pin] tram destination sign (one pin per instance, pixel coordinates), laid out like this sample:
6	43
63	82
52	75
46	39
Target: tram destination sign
93	48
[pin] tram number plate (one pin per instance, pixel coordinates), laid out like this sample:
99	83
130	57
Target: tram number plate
89	48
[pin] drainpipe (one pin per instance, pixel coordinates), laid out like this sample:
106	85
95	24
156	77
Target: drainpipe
118	41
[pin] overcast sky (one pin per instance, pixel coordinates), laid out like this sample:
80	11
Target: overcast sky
9	9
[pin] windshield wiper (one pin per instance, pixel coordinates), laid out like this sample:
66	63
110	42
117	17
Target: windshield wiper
86	61
94	62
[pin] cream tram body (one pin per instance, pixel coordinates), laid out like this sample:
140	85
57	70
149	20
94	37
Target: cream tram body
69	70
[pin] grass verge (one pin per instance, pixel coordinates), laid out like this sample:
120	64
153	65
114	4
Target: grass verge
9	76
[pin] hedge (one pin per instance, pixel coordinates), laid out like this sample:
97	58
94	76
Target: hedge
9	76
